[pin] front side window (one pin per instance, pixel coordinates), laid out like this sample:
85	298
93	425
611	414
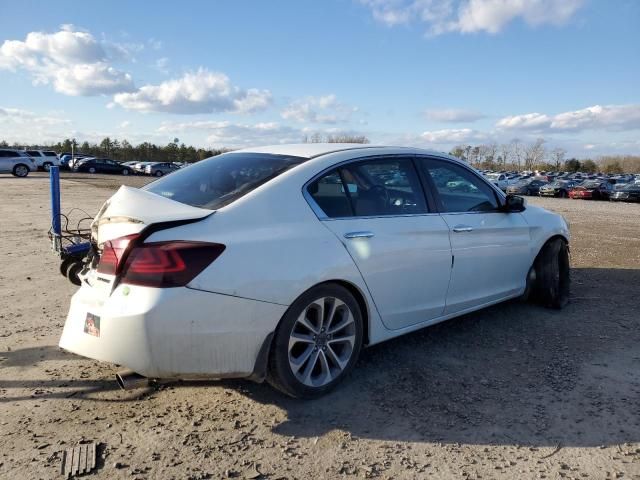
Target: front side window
380	187
220	180
459	190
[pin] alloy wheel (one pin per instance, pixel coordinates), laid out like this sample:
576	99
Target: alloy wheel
322	342
22	171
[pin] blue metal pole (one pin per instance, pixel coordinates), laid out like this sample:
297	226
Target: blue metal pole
54	179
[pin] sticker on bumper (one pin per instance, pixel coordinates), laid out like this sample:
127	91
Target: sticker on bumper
92	325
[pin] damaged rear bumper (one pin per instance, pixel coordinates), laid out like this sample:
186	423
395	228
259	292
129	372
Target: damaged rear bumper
170	332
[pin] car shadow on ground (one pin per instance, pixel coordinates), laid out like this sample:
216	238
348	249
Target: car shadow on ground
511	374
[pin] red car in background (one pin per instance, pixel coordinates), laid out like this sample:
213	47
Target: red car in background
592	190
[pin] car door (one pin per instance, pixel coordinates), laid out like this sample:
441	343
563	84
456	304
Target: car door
377	209
491	253
6	165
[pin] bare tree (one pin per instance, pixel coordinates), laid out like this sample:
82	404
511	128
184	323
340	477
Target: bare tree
534	154
517	152
505	150
557	156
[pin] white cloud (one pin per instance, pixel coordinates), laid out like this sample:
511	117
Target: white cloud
453	135
608	117
16	116
453	115
615	117
467	16
162	64
72	60
24	126
236	135
529	121
202	91
325	109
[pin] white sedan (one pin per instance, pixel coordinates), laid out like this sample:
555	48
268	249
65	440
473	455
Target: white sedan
283	262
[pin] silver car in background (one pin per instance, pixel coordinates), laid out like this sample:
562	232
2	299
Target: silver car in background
16	162
160	169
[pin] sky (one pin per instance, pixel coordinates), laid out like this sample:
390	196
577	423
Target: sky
428	73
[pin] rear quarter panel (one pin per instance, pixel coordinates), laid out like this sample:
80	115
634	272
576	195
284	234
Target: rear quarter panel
276	248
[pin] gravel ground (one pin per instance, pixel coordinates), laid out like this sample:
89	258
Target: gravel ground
513	391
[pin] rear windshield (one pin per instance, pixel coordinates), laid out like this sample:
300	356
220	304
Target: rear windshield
220	180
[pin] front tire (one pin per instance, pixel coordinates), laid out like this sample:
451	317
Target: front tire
125	172
92	170
20	170
159	173
317	342
553	279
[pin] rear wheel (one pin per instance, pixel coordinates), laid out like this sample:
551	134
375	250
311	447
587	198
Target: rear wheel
92	170
159	173
125	171
46	166
552	275
20	170
316	343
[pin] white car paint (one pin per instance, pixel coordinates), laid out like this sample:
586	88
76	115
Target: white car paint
415	271
10	158
44	158
499	180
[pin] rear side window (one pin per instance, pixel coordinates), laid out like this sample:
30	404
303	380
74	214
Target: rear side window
329	194
33	153
380	187
220	180
50	154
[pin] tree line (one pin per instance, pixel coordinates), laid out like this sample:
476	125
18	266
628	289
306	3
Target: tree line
123	151
517	155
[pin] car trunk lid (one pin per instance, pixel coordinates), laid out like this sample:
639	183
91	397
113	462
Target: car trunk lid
131	210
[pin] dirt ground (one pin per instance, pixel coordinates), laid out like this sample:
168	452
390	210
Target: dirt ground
512	392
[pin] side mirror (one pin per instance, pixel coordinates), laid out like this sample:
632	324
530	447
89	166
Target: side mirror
514	203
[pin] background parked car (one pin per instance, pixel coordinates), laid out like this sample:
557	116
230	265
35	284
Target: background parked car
16	162
44	158
630	192
558	188
592	190
530	186
160	169
68	162
140	166
102	165
499	180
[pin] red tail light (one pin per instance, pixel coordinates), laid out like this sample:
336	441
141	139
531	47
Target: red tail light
113	253
168	264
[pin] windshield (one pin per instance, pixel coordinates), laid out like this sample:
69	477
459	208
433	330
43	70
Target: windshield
493	176
590	184
220	180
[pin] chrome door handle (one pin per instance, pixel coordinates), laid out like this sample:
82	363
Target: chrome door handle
358	235
462	228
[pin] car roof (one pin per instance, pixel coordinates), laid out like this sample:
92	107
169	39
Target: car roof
311	150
